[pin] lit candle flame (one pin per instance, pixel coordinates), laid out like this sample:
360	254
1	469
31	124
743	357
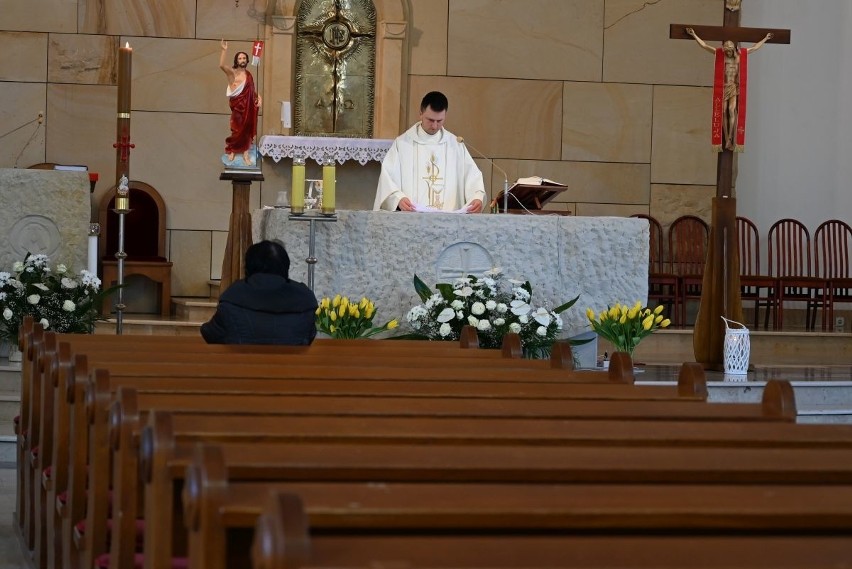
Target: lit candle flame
127	44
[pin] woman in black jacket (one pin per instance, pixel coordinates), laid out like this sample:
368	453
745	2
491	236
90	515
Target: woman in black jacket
266	307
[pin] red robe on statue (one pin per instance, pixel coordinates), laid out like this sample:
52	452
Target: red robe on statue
243	118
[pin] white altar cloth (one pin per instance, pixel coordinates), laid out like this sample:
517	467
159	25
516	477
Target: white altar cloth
377	253
319	147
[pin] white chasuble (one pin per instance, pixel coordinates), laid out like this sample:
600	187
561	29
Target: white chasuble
433	171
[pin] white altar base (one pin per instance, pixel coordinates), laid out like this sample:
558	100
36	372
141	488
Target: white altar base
377	253
44	211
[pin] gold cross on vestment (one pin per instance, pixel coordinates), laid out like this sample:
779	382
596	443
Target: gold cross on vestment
432	177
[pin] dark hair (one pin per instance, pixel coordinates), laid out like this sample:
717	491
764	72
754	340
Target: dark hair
435	100
236	55
268	257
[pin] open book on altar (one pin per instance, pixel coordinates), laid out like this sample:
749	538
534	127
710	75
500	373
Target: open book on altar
529	194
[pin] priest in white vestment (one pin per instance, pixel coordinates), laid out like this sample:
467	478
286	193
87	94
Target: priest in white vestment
428	168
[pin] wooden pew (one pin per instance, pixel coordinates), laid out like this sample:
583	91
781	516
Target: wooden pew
220	515
75	489
40	416
284	539
48	351
164	458
444	463
192	394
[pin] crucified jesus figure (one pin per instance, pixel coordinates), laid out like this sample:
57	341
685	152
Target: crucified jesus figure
731	81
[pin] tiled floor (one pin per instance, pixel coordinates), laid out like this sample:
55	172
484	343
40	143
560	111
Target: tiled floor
11	556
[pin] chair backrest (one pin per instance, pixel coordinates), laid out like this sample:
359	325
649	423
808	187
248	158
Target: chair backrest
144	225
688	236
748	246
656	253
832	241
789	244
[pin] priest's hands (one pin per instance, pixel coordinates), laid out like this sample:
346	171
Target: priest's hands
475	206
405	205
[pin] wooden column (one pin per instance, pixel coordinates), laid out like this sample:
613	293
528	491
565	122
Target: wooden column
720	289
239	227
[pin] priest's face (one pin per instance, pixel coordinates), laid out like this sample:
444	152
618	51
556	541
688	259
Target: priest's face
432	121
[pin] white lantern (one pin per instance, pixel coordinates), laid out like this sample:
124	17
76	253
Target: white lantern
737	348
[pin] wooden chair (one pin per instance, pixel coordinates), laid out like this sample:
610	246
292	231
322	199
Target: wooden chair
688	236
832	244
790	262
662	283
144	240
756	286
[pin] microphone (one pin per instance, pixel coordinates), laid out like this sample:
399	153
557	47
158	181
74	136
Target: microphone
501	170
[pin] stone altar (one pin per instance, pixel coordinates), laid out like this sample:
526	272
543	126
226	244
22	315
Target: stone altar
44	211
377	253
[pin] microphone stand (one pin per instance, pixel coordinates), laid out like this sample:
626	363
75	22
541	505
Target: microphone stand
501	170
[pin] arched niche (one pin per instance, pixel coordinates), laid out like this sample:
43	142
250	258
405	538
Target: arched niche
391	64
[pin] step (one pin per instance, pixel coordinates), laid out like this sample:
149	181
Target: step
153	326
767	348
194	309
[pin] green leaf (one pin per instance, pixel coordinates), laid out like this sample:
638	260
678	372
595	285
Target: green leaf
422	289
446	290
563	307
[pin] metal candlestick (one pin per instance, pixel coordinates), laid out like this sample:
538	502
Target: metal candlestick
120	256
311	259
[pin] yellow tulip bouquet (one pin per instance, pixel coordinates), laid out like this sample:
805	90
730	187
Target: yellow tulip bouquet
625	327
341	318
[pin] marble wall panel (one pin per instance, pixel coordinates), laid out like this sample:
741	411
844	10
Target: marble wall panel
669	202
638	48
219	241
191	254
590	182
153	18
682	153
82	129
427	36
24	56
39	16
184	76
25	146
606	122
607	209
534	39
82	59
180	155
498	117
216	19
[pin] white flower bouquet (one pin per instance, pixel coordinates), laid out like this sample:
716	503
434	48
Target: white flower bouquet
492	306
57	299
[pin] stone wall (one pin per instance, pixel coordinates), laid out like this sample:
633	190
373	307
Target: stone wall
47	212
604	260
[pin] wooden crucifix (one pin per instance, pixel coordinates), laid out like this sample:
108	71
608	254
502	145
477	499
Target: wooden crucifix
720	291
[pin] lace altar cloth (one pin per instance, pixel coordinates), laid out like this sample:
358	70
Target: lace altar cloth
319	147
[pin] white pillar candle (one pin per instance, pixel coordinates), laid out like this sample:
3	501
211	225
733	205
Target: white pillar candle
286	115
92	265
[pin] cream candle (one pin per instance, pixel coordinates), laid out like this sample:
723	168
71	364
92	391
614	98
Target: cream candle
328	186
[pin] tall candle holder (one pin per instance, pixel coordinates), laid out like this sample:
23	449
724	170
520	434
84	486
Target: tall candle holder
311	259
122	208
